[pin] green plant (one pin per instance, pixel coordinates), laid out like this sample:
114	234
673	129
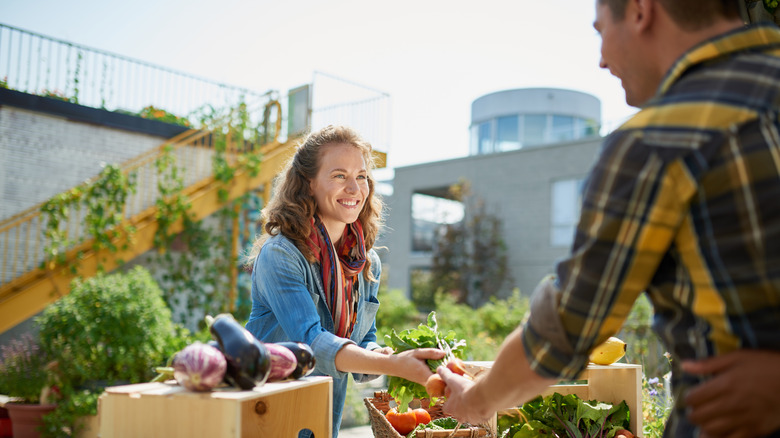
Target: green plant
486	327
470	260
103	200
396	312
24	370
656	403
153	113
771	5
109	329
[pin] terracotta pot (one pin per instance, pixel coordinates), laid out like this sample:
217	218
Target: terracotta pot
26	418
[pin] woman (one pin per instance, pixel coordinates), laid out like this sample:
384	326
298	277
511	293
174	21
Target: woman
315	275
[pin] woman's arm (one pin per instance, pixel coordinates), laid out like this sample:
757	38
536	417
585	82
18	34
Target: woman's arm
409	364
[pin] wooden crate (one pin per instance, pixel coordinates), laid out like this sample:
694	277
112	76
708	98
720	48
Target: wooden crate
278	409
606	383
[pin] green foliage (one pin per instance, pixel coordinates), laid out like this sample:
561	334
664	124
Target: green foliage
109	329
23	371
565	415
771	5
424	336
153	113
470	260
656	404
396	312
102	201
486	327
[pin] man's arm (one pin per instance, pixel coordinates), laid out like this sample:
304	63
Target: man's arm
509	382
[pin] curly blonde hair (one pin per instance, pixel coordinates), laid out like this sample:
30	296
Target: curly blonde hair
292	205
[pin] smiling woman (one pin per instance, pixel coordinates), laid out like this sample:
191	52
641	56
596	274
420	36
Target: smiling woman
315	274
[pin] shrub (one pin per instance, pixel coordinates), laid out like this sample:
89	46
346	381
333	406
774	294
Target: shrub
110	329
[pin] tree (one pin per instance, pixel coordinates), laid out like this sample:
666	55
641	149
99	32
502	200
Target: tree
470	257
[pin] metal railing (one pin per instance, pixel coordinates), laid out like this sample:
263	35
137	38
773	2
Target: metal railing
41	65
38	64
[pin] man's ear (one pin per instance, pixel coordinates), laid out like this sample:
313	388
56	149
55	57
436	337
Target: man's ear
641	13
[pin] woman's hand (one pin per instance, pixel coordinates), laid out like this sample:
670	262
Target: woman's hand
740	399
411	364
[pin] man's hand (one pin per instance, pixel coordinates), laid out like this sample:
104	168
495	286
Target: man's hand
742	396
464	400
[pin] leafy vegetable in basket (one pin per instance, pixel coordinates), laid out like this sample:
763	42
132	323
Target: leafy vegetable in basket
444	423
566	416
424	336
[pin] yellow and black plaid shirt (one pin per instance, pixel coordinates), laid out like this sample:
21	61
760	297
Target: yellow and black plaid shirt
683	203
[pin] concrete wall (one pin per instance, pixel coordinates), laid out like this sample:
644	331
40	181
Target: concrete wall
48	146
515	185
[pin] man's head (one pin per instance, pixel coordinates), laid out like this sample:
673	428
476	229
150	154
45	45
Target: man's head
688	14
640	39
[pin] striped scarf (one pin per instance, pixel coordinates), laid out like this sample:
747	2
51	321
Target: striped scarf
339	274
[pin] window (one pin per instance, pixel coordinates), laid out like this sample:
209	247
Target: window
534	129
566	199
485	138
562	128
507	134
428	214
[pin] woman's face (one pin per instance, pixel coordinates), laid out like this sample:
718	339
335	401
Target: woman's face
340	187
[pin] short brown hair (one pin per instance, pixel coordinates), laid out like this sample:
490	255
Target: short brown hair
688	14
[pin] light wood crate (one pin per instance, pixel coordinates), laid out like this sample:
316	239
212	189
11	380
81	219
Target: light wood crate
606	383
278	409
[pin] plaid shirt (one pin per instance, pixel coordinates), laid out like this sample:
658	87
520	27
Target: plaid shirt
683	204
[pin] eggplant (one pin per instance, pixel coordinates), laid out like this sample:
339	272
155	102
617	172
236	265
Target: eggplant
199	367
283	362
248	361
305	356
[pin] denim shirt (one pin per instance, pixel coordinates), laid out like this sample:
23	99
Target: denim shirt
288	304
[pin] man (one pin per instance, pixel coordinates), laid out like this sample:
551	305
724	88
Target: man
683	204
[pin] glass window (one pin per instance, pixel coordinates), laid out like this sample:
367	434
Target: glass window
485	138
562	128
428	214
507	133
534	128
474	140
566	199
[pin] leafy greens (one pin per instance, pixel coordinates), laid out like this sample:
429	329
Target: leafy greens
424	336
565	415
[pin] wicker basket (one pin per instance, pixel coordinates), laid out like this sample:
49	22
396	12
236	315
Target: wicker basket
380	404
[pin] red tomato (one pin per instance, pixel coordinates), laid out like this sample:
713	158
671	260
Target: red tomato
402	422
422	416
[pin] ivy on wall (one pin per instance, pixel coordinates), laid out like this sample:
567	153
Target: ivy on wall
101	202
194	266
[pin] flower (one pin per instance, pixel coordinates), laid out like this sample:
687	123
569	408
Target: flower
23	370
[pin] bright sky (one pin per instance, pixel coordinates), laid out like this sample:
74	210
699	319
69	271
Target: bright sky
434	57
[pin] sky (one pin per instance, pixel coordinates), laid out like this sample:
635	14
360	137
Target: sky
433	57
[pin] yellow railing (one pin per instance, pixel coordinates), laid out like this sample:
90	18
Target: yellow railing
26	285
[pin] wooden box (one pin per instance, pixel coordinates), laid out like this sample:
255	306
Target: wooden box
606	383
278	410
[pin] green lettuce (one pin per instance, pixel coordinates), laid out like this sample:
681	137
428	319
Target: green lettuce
424	336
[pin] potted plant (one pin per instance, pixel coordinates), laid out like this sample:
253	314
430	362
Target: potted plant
110	329
25	377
